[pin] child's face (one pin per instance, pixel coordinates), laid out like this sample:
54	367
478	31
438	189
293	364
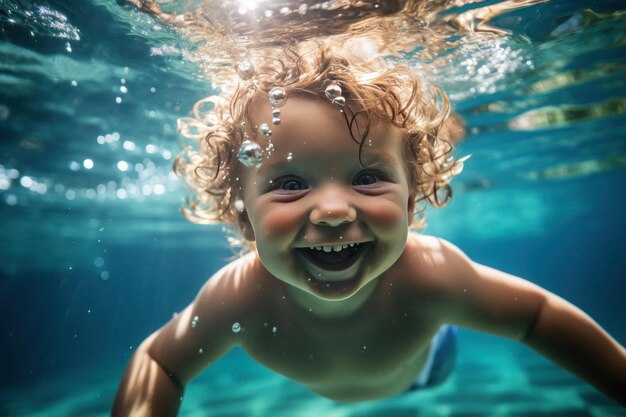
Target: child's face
323	222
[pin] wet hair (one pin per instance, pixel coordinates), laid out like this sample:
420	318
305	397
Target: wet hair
374	91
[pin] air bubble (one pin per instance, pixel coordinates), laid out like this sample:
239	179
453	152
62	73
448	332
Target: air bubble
250	154
245	70
264	130
194	322
333	91
339	101
278	96
236	327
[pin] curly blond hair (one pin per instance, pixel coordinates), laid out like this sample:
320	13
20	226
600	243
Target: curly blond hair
375	91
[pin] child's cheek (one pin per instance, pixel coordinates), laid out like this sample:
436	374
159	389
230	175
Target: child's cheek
276	223
387	217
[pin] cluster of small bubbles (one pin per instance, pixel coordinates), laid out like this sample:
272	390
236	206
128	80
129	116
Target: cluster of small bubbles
276	117
194	321
68	47
239	206
264	130
277	96
34	185
269	149
250	154
236	327
289	156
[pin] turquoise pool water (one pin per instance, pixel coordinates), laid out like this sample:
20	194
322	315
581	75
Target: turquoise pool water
95	254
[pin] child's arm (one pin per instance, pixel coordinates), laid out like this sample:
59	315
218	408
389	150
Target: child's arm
147	388
155	378
489	300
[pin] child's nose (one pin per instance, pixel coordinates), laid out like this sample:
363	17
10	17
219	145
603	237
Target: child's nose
332	208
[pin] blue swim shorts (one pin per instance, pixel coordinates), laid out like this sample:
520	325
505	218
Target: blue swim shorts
441	359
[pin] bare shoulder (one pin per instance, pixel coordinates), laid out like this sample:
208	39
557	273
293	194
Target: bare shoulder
433	246
233	288
433	258
471	294
208	327
237	294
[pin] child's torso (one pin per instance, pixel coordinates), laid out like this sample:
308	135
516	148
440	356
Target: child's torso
377	352
346	363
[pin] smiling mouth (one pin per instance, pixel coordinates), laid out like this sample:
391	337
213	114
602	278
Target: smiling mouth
334	262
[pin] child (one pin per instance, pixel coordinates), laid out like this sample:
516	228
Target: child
321	163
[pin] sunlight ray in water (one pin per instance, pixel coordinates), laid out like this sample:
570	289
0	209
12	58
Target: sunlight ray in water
565	114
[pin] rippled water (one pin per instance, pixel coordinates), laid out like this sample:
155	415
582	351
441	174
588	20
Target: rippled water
90	92
90	95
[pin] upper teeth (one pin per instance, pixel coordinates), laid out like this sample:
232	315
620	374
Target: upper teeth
332	248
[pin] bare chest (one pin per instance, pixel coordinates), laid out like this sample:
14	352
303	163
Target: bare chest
375	356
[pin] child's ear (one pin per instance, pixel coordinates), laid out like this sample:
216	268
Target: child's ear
410	208
245	226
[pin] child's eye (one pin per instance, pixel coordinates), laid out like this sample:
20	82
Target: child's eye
293	185
366	178
288	184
